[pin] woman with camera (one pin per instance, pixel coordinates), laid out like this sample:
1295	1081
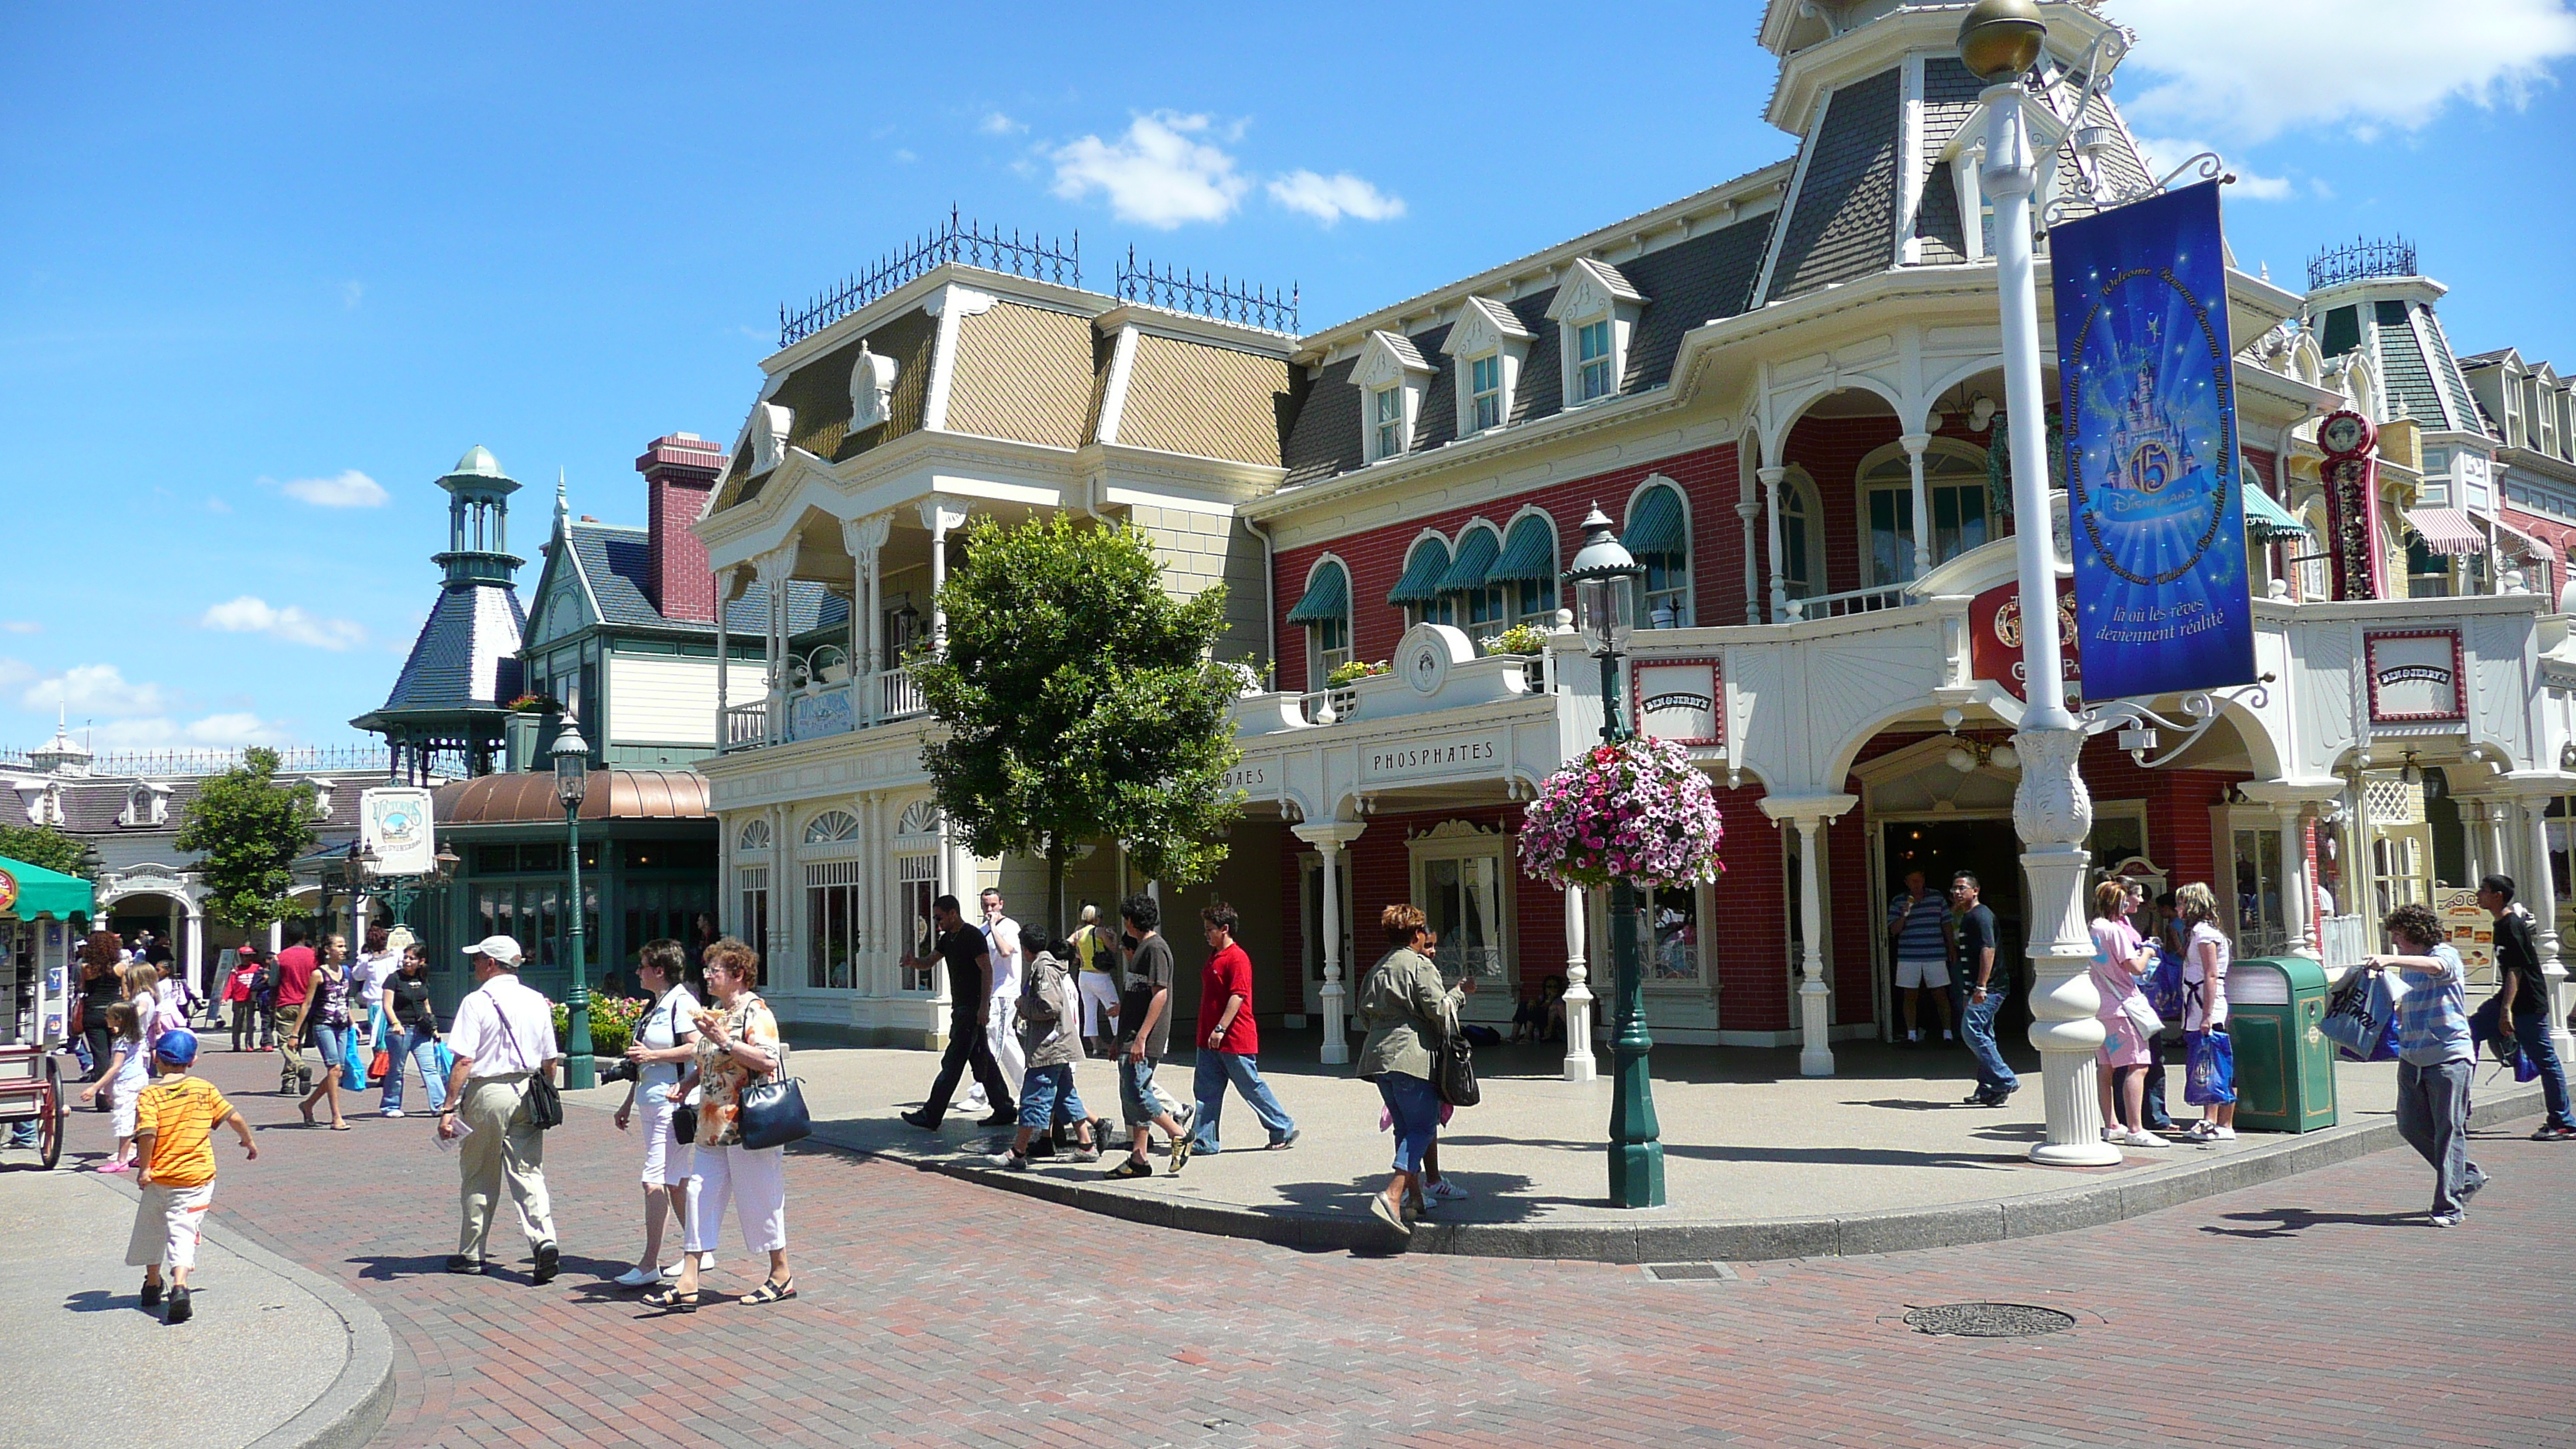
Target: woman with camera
664	1039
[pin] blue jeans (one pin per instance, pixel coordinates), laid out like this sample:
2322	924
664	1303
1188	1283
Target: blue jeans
419	1048
331	1044
1047	1096
1415	1106
1215	1068
1135	1090
1977	1029
2531	1028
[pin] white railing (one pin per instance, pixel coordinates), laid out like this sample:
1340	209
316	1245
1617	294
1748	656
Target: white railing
1849	601
898	695
1328	706
2347	940
746	725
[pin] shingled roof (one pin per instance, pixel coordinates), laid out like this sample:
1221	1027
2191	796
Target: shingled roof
614	562
466	657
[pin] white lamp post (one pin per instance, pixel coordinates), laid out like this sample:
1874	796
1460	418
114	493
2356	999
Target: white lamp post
1999	41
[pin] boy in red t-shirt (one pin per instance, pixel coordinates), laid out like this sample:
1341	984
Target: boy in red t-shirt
1229	1041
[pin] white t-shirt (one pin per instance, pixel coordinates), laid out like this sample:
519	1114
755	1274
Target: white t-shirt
1002	938
371	974
503	1027
662	1028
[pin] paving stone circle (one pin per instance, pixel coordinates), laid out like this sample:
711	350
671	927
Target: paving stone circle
1988	1320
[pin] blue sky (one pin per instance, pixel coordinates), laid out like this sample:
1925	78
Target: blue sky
267	275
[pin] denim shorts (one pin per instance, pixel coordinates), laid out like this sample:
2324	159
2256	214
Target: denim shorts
1135	1090
331	1042
1045	1092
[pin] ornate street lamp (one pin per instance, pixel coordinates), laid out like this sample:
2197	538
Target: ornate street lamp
1999	42
572	783
1604	580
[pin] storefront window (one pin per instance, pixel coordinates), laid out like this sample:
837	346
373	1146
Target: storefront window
916	886
2258	892
1672	925
831	923
751	885
1463	896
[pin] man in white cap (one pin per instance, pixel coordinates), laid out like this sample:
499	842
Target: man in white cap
504	1035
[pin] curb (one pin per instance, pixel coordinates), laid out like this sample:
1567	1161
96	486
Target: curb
348	1412
1759	1240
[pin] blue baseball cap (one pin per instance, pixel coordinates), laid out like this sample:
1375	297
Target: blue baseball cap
178	1047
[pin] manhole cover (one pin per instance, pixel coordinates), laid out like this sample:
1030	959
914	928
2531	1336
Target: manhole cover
1989	1320
1688	1272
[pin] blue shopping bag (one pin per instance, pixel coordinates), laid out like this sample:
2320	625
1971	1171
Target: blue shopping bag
353	1072
2163	984
2210	1067
2362	1018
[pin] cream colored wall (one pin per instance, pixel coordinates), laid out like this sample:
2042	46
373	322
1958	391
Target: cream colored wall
1198	550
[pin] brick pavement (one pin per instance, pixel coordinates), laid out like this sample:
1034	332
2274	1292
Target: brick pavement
935	1312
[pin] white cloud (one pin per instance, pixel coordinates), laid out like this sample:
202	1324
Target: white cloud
14	671
2252	72
350	292
21	626
95	689
350	489
1160	174
2163	156
213	732
251	614
903	157
1330	198
997	124
217	505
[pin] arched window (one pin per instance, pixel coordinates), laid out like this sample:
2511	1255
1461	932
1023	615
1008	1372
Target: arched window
755	836
1418	592
1478	601
1802	537
1324	611
1526	573
1954	486
832	826
1658	536
2313	569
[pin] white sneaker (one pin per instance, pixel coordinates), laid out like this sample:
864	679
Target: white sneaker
638	1277
706	1262
2143	1139
1446	1191
393	1112
672	1273
2222	1134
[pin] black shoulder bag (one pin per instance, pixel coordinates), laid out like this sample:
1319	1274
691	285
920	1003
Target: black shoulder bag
772	1113
545	1104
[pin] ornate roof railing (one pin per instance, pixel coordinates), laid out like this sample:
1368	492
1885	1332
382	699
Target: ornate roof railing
293	760
2359	260
1222	298
956	241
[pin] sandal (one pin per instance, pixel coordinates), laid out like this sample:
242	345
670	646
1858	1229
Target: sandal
308	1118
672	1300
771	1291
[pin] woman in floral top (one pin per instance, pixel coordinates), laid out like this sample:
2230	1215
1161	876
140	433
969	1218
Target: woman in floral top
737	1046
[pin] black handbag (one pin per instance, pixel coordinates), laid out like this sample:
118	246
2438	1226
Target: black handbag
545	1104
772	1113
1453	1072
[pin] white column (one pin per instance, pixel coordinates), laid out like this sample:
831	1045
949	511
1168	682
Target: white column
2492	827
1914	444
2473	831
193	953
1815	1050
865	539
2540	893
1748	510
1771	478
724	656
774	569
276	937
1337	1047
939	515
2297	892
1579	1064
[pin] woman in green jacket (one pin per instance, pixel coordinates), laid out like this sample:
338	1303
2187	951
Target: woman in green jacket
1408	1014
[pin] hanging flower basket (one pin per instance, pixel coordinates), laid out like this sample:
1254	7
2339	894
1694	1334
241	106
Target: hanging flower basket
1634	811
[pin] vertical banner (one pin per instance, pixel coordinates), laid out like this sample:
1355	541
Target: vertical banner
2151	465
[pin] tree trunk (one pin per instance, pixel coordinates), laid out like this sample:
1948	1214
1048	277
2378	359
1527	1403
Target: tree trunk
1055	890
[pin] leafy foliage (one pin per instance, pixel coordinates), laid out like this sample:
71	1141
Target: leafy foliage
249	829
612	1023
43	845
1081	703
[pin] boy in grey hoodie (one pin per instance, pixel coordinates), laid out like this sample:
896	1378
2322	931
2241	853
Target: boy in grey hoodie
1050	1017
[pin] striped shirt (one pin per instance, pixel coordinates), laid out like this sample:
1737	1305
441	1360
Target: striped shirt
2433	1015
1918	936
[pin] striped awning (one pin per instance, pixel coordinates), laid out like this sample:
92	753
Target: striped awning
2267	521
2519	542
1657	524
1477	549
2447	530
1423	569
1328	596
1529	554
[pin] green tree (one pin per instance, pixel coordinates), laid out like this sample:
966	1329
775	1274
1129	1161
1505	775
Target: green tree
42	845
1081	703
249	829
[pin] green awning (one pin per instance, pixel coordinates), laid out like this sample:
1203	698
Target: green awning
2267	521
1423	569
1328	596
1476	553
1529	555
41	892
1657	524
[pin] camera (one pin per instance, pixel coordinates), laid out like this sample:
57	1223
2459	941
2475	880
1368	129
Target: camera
615	1069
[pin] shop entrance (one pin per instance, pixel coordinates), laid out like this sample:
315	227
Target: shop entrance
1941	847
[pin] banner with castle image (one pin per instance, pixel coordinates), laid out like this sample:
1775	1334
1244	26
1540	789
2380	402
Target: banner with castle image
2152	472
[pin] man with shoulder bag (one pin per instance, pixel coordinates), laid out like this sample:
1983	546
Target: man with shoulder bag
501	1097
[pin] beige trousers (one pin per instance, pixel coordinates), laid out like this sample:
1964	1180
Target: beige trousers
504	1147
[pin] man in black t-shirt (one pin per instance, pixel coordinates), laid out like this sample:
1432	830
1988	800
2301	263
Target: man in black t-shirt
2525	996
970	994
1988	982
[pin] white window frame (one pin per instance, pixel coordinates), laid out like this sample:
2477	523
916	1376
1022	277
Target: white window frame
1679	590
1389	370
829	883
1463	840
1497	607
751	897
1487	333
1800	497
1320	659
1593	293
1900	480
823	828
1485	391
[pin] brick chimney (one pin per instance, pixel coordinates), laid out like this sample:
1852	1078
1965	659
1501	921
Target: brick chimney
679	472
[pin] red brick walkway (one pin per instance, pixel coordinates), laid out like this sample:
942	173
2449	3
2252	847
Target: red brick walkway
2320	1310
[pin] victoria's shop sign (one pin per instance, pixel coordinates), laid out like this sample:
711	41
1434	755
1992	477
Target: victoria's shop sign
1431	755
1994	637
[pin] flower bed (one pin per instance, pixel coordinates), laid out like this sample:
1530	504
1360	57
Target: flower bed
1635	811
612	1024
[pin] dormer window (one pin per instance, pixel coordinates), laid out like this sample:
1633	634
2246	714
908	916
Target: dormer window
1391	376
1490	343
1596	314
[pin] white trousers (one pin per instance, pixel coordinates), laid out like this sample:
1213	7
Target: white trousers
754	1182
167	1223
1099	1002
1003	1032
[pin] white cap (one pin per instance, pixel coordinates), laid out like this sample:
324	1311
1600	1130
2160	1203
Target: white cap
500	948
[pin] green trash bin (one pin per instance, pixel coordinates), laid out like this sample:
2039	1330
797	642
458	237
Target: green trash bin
2285	1067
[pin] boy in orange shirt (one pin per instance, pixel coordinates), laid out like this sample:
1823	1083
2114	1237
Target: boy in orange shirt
174	1125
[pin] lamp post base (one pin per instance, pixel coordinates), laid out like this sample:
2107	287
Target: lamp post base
581	1073
1637	1174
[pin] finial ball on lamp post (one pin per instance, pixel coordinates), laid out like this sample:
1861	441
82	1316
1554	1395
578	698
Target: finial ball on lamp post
2001	39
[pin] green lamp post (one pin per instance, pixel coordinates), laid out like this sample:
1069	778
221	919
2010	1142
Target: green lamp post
572	783
1604	579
